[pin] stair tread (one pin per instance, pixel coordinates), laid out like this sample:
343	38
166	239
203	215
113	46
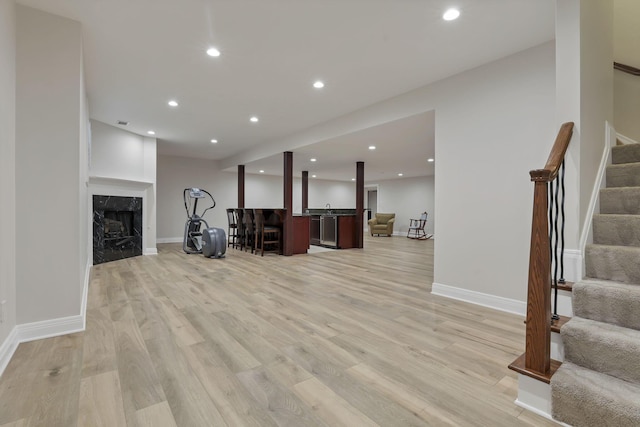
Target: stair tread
607	301
626	153
581	396
597	327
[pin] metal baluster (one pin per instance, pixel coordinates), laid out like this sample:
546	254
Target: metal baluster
555	255
561	232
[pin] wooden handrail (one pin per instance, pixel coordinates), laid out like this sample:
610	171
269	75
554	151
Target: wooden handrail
626	68
538	338
556	156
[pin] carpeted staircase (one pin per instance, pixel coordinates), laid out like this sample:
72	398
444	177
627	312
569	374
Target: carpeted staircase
598	383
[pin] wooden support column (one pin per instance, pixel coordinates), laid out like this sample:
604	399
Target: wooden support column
305	191
241	186
287	232
359	204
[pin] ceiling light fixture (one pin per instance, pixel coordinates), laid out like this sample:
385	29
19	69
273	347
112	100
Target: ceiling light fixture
254	119
212	51
313	176
451	14
150	132
214	141
430	160
313	160
400	174
372	147
173	103
261	171
353	179
318	84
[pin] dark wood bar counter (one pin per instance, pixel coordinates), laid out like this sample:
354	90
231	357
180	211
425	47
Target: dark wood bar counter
275	217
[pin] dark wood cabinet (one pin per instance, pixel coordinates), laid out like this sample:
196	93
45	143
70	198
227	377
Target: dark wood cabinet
300	234
346	232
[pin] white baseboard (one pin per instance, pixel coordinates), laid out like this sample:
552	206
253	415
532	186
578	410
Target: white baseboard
479	298
169	240
150	251
7	348
46	328
50	328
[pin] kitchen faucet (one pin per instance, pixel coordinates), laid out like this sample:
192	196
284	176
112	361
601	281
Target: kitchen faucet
328	206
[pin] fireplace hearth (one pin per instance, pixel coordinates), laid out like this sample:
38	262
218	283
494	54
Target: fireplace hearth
117	228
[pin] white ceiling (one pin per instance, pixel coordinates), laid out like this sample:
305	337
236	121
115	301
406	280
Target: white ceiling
139	54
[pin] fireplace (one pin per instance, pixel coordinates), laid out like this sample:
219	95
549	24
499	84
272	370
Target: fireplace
117	228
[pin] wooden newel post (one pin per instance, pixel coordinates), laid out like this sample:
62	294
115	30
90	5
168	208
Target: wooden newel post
538	339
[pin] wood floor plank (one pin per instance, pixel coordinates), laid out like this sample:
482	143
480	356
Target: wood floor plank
138	379
99	352
101	401
158	415
333	409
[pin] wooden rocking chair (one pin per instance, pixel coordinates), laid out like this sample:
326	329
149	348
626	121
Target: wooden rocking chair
416	228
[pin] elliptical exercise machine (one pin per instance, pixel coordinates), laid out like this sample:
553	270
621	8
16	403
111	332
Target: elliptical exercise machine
211	242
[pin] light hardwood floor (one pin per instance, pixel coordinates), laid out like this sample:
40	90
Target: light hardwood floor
341	338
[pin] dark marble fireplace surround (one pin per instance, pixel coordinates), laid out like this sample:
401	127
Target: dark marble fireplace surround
117	228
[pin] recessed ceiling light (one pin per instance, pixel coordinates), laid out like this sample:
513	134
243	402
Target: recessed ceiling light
430	160
313	176
261	171
372	147
318	84
254	119
150	132
173	103
400	174
214	141
313	160
451	14
353	179
212	51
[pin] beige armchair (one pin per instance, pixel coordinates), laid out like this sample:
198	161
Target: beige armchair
382	224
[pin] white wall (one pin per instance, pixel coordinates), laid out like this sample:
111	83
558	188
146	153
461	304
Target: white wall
7	169
482	195
128	162
49	113
626	97
408	198
177	173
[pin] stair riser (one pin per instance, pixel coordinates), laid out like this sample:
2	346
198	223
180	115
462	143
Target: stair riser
620	201
629	153
602	350
618	263
610	304
627	175
616	230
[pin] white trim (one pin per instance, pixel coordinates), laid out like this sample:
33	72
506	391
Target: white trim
85	294
150	251
625	139
479	298
50	328
586	234
8	347
573	271
169	240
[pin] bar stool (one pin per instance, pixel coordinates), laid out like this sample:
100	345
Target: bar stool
265	235
249	230
232	229
239	212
